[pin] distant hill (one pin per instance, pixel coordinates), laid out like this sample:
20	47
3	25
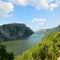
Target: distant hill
14	31
55	29
46	49
40	31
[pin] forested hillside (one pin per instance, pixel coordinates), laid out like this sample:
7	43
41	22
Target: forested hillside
46	49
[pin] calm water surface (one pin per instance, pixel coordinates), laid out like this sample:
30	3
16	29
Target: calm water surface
19	46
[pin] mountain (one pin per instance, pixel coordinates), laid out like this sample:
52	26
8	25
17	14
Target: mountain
14	31
47	49
55	29
40	31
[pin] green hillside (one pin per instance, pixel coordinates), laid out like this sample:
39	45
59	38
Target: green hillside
46	49
55	29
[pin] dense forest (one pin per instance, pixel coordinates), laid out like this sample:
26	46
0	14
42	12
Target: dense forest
46	49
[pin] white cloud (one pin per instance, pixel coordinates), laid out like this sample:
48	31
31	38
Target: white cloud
5	8
37	23
34	27
19	2
8	6
35	3
39	4
55	5
40	21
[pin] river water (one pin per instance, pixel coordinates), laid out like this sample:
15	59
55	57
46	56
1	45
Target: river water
19	46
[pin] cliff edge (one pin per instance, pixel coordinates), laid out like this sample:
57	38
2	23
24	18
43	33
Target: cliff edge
14	31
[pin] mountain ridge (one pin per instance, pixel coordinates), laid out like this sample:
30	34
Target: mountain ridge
14	31
57	28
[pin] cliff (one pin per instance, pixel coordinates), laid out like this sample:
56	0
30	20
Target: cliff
14	31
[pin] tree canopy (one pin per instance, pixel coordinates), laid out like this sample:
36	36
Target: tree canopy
4	55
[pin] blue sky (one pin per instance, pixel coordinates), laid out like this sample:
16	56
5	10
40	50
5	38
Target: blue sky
36	14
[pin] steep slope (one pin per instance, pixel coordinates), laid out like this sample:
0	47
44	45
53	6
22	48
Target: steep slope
46	49
14	31
55	29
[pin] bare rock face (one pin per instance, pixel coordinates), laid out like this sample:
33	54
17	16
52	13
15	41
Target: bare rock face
14	31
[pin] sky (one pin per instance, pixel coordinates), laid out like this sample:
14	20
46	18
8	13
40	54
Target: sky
36	14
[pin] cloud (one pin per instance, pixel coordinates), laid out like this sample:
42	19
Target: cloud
19	2
35	3
6	8
38	4
54	5
34	27
41	4
40	21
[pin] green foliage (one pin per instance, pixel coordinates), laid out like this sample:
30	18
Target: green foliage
46	49
4	55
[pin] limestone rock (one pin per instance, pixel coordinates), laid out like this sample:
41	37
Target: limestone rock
14	31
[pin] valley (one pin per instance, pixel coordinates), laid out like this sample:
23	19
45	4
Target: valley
19	46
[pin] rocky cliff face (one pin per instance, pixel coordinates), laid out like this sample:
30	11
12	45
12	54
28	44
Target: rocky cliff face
14	31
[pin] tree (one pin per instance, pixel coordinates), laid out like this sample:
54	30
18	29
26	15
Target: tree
4	55
43	51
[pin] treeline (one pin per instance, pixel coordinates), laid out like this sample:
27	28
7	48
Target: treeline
4	55
46	49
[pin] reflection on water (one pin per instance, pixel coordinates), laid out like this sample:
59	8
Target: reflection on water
18	46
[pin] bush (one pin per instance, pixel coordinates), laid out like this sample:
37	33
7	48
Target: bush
4	55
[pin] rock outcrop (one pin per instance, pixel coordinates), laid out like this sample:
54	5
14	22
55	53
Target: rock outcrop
14	31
